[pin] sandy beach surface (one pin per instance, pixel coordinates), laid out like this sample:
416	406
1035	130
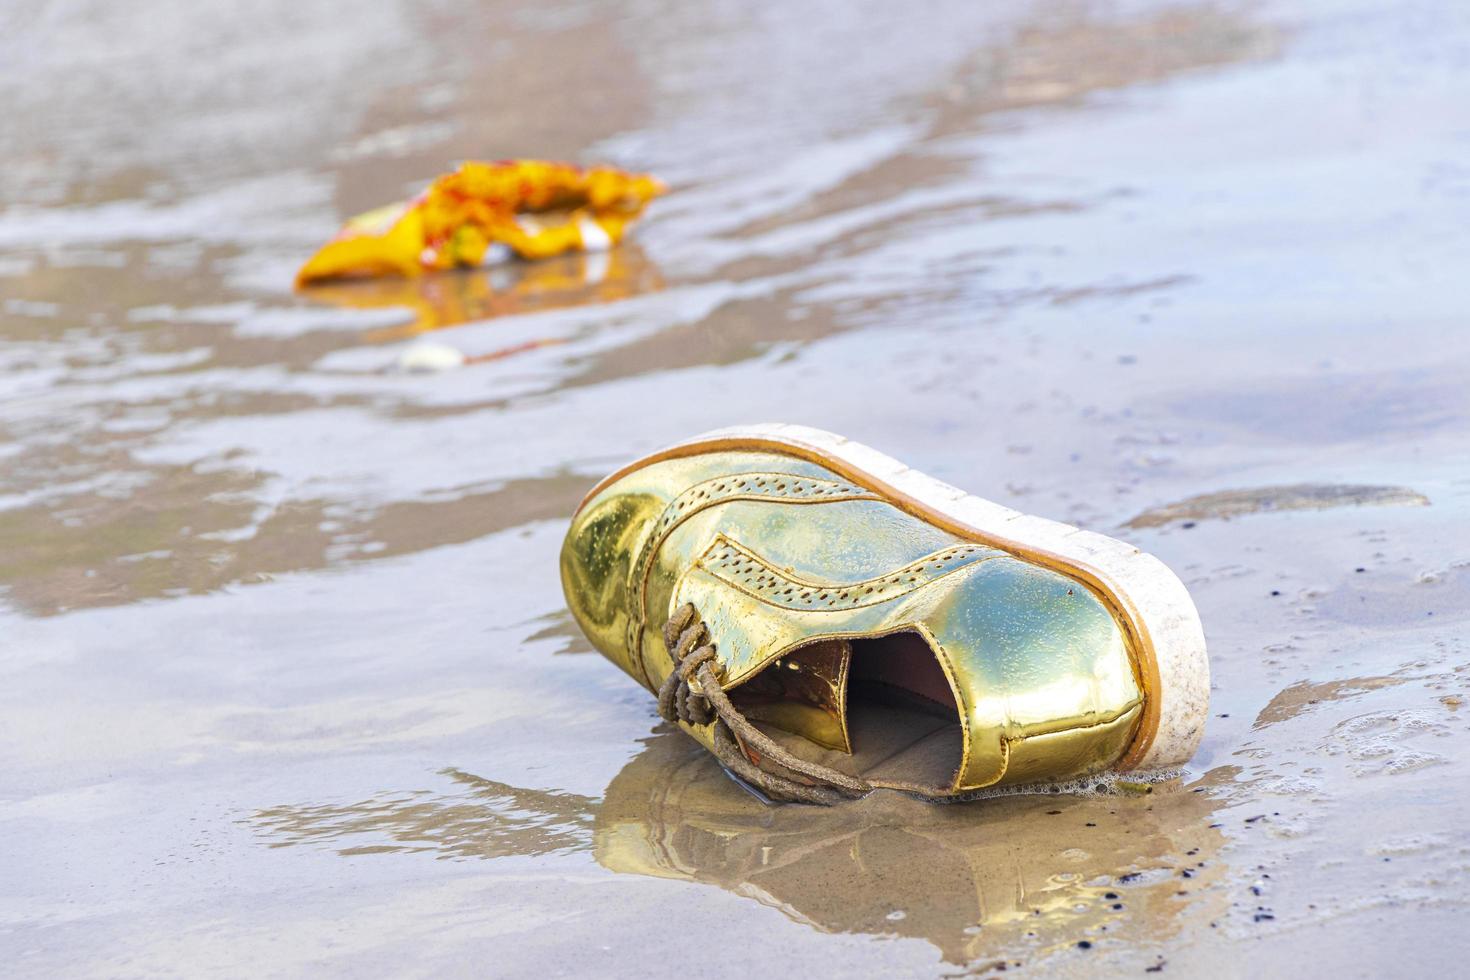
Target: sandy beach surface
287	683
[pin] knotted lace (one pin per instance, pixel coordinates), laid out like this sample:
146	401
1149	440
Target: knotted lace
692	694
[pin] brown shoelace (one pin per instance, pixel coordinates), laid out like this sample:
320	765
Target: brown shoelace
692	694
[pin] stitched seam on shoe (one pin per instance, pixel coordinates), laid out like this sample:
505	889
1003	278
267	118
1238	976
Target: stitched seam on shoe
784	488
747	572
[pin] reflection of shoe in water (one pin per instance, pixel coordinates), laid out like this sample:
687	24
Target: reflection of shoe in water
828	621
1036	872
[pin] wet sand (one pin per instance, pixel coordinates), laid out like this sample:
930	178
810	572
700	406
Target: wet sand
287	683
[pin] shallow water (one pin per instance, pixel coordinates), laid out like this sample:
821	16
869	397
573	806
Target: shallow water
288	685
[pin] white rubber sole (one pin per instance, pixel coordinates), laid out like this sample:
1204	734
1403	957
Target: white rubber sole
1148	599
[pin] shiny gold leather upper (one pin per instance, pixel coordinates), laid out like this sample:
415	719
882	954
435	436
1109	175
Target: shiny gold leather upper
780	554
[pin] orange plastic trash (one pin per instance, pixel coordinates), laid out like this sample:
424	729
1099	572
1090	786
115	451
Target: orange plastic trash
535	208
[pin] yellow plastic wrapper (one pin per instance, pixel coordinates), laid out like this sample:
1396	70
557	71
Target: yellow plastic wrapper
536	208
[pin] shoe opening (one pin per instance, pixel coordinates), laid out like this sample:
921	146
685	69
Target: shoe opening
901	713
902	722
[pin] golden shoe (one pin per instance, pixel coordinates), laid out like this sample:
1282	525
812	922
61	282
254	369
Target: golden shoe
828	621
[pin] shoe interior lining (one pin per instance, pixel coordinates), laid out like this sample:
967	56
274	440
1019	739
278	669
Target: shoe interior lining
901	717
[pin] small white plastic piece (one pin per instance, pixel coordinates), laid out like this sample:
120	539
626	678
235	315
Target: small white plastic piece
426	356
594	239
